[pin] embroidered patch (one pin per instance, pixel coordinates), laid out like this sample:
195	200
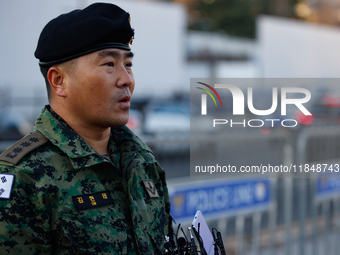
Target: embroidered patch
6	184
150	188
18	150
89	201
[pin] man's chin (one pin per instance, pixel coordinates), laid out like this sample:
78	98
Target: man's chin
118	124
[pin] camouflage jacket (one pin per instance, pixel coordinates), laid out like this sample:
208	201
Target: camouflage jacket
68	199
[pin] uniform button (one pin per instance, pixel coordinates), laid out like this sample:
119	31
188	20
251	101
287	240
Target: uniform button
145	246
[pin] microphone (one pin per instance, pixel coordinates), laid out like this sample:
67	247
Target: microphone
193	245
182	245
187	245
181	242
168	246
218	243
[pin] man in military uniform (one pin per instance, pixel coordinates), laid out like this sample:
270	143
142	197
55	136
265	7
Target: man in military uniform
82	182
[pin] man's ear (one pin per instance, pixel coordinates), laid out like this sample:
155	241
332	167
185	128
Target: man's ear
56	78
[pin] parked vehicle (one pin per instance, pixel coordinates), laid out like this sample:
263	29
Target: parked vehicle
167	117
13	125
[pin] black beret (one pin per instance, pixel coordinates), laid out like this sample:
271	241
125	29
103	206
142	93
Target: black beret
71	35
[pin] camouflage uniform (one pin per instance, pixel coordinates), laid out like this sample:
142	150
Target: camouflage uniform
68	199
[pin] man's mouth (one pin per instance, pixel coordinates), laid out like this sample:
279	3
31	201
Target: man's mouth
125	101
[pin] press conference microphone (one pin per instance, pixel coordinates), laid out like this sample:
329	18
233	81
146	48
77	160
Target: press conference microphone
193	245
181	245
218	243
181	242
168	246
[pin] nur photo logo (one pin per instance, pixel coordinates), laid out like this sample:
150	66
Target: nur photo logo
204	97
280	98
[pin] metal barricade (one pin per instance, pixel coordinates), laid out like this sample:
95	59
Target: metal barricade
320	146
299	219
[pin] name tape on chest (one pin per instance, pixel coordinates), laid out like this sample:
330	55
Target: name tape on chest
150	188
6	184
90	201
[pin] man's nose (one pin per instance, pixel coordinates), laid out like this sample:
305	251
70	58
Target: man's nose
125	77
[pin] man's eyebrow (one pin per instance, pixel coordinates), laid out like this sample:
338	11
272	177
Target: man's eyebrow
114	54
129	54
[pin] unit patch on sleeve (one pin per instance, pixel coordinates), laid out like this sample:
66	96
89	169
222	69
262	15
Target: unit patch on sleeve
150	188
6	184
89	201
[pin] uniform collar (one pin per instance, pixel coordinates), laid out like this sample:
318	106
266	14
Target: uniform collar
55	129
59	133
123	136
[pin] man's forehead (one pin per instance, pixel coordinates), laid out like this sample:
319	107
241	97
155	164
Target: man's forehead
115	53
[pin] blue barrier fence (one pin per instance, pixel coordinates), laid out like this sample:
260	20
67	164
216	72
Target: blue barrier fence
218	198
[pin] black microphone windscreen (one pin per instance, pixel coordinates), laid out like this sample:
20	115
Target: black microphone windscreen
181	242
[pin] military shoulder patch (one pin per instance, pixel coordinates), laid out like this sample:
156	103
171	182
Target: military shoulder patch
150	188
6	184
17	151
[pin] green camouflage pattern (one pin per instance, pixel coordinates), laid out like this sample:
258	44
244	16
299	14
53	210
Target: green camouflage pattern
41	216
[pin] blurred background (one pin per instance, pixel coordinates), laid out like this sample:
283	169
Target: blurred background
183	39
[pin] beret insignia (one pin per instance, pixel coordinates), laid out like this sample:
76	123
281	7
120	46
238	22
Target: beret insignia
133	32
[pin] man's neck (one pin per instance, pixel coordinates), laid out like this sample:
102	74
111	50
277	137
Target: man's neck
97	138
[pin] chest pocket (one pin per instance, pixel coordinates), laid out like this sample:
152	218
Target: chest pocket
150	221
94	235
156	232
145	190
148	209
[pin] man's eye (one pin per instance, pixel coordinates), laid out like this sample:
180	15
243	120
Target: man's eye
109	64
129	64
